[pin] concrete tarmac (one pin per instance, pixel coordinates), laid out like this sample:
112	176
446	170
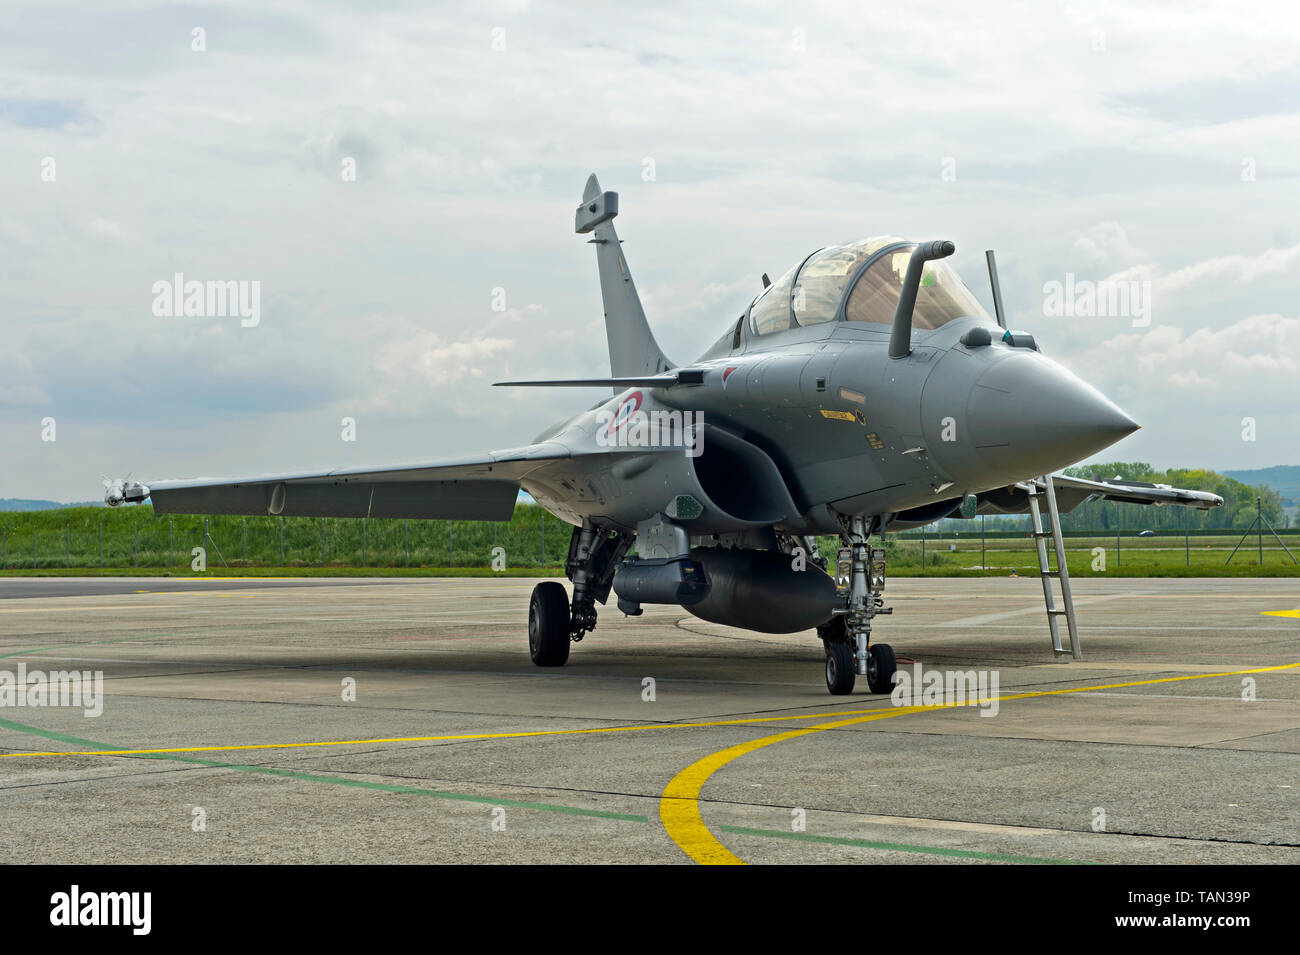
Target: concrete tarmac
1156	748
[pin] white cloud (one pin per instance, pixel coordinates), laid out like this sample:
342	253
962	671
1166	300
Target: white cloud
414	368
1234	269
1106	244
1254	360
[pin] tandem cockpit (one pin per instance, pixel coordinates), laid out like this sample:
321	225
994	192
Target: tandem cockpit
859	282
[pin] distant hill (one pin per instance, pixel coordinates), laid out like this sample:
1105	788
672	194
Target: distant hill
1283	478
23	504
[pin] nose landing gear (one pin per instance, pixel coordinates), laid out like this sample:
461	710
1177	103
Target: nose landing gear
860	569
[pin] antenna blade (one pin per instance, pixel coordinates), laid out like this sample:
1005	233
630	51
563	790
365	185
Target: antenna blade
997	288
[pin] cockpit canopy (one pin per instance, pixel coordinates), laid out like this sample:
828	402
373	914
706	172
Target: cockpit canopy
861	282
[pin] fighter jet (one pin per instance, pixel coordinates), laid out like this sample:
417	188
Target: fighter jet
866	390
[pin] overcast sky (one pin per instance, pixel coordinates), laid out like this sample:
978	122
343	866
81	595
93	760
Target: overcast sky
1156	143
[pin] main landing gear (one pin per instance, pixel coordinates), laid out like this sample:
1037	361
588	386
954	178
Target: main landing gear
548	625
555	621
847	636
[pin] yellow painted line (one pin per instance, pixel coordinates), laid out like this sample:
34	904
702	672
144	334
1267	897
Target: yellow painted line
1281	613
193	593
251	579
430	739
679	805
861	716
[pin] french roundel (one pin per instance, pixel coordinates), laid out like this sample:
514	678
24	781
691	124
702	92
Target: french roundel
626	409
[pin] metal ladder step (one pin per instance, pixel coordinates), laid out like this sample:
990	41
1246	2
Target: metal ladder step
1042	491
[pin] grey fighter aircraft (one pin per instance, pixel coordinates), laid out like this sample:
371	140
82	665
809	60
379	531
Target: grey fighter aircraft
865	390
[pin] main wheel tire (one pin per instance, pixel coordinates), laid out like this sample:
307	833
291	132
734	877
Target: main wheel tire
840	673
881	667
548	625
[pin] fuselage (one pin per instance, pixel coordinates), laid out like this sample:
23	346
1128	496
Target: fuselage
847	429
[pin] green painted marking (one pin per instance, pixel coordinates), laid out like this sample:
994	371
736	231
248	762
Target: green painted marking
541	806
90	643
432	793
898	846
314	778
50	734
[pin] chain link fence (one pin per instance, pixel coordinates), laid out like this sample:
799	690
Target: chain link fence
136	538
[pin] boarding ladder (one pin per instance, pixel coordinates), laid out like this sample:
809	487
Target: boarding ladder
1042	491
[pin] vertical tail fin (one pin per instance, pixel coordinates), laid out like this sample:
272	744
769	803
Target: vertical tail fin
633	350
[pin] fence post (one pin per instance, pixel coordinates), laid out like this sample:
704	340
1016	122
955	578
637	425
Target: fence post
244	535
282	542
171	541
135	545
322	542
1119	554
1187	543
1259	517
922	548
984	564
543	538
67	544
363	542
451	554
4	544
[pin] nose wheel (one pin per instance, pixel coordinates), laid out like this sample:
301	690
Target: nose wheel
881	667
841	671
840	675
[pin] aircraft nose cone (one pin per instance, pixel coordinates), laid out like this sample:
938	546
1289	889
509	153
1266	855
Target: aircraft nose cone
1028	415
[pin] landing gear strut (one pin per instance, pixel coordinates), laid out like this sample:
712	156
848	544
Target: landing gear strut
554	621
847	636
